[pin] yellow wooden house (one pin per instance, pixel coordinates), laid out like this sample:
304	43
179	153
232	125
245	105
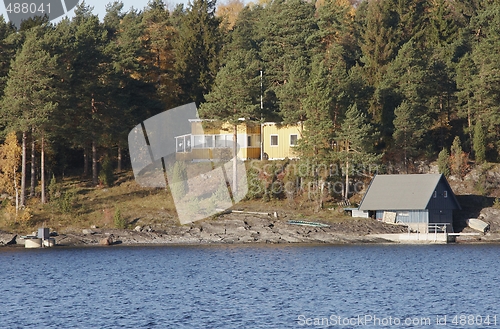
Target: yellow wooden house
279	141
211	141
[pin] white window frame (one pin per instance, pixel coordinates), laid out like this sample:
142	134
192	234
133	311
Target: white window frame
206	142
271	140
196	140
296	139
445	194
180	146
435	194
220	141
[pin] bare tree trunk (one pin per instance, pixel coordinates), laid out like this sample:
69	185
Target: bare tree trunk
235	159
42	169
16	188
94	164
23	171
119	158
405	154
346	197
469	123
85	161
33	164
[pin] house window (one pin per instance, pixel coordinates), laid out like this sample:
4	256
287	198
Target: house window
179	142
435	194
220	141
445	194
203	141
274	140
293	140
404	213
187	143
198	141
249	141
209	141
229	141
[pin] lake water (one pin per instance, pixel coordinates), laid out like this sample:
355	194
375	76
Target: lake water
370	286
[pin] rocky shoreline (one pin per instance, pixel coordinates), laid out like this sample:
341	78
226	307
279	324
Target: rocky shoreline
230	229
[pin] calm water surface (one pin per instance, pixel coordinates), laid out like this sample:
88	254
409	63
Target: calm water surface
251	287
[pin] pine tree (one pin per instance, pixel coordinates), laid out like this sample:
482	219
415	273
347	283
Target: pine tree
380	40
7	51
440	93
336	27
87	67
444	25
444	162
286	40
133	75
156	62
234	95
407	132
487	80
197	49
316	145
357	136
236	90
457	158
113	17
30	94
467	95
291	93
244	34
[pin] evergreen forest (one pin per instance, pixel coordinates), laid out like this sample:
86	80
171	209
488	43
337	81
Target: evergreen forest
392	82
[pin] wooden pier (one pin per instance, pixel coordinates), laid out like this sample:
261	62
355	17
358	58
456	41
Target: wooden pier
435	234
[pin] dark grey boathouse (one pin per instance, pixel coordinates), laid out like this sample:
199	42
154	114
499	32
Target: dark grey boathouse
417	200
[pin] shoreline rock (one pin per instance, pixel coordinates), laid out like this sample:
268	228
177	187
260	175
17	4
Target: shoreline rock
232	229
7	238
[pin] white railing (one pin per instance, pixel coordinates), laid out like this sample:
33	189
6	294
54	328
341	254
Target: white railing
432	229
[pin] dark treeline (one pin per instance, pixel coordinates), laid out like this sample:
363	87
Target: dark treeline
380	80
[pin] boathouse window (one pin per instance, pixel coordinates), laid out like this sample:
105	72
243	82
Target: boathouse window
293	140
435	194
249	141
445	194
274	140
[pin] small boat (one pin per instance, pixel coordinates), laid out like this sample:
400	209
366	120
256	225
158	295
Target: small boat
478	225
306	223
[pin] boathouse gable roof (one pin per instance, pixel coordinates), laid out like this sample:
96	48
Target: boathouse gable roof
409	192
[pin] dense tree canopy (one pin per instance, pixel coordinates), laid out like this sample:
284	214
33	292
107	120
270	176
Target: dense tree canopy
419	73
